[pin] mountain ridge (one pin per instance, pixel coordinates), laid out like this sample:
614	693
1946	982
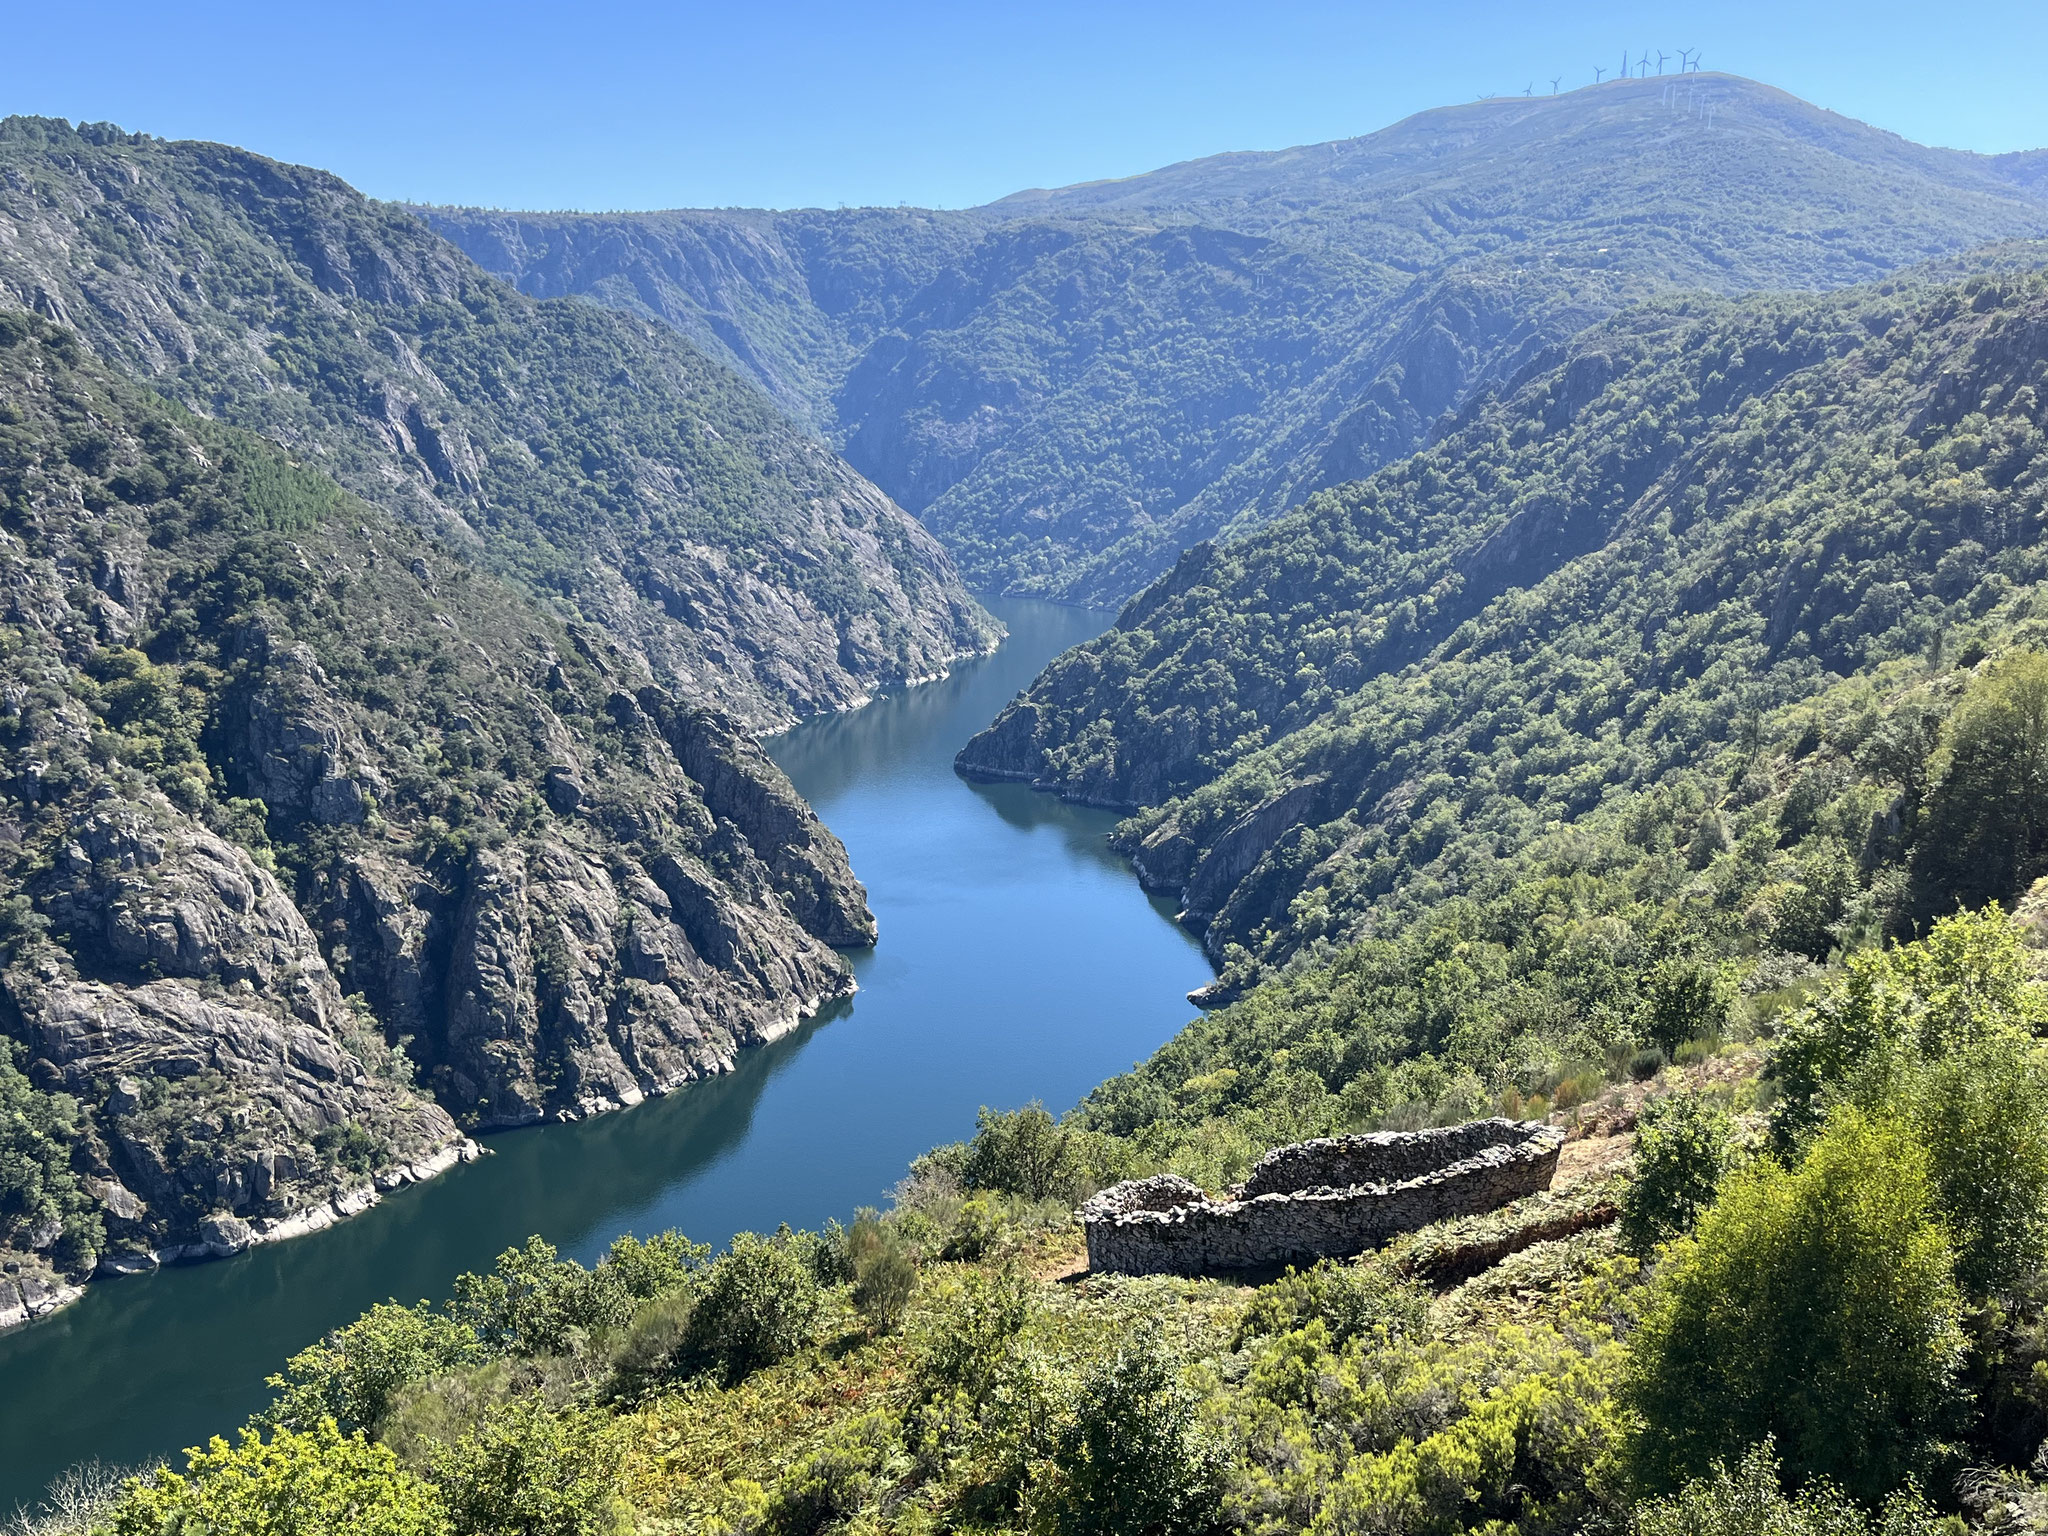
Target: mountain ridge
1072	388
599	459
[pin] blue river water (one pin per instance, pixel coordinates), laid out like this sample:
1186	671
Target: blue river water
1018	960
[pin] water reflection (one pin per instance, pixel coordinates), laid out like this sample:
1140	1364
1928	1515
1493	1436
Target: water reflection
1018	960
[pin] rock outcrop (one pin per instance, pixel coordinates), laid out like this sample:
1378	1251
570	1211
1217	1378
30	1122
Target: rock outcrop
1328	1198
312	865
605	459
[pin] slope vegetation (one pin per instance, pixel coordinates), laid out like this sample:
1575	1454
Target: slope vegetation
601	459
1708	555
1070	387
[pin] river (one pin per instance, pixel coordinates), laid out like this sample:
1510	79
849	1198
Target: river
1018	959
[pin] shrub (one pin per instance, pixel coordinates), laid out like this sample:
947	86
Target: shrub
1687	999
353	1375
653	1343
529	1471
1131	1461
1982	1113
535	1303
975	1230
1750	1502
1818	1307
314	1483
1354	1301
758	1307
1942	1032
884	1275
1025	1153
1682	1149
832	1483
1646	1063
963	1336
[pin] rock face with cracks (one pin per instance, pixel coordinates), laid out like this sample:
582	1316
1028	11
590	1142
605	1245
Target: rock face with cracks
1328	1198
312	865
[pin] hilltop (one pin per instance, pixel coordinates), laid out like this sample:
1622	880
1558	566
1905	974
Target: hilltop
1071	386
596	458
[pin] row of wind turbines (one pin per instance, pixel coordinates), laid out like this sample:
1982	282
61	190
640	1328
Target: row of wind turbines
1688	63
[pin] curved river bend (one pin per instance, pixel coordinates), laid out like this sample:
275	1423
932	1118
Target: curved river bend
1018	960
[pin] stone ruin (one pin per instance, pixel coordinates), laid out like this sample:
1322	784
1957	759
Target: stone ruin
1329	1198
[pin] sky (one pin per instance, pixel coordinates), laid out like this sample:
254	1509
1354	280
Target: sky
757	103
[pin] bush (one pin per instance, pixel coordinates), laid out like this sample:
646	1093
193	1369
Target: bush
855	1465
758	1307
976	1230
1687	999
311	1484
1943	1033
354	1374
884	1275
963	1335
1966	981
1750	1502
1982	1113
1025	1153
534	1472
1131	1461
1682	1149
653	1343
1354	1301
1646	1063
535	1303
1818	1307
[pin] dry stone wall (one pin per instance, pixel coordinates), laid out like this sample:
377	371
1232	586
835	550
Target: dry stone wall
1328	1198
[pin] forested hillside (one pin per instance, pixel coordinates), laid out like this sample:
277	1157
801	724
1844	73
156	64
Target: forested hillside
321	844
1692	602
1070	387
601	459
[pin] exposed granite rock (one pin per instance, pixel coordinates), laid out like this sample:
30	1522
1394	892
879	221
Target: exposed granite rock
730	553
296	894
1328	1198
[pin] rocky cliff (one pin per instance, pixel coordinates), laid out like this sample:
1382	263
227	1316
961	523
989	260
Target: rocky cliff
597	457
322	846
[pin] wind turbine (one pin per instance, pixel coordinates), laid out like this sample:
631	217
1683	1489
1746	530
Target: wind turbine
1661	57
1643	64
1529	89
1553	83
1599	73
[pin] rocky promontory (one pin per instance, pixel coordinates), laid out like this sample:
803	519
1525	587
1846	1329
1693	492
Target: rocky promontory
323	848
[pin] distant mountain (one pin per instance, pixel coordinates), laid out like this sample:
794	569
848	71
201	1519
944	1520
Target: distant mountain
1678	578
597	457
1071	386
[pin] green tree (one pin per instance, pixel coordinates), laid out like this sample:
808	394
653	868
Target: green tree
759	1306
1818	1306
316	1483
884	1274
1686	998
528	1470
1986	825
1682	1149
43	1202
1967	980
353	1375
1025	1152
1132	1461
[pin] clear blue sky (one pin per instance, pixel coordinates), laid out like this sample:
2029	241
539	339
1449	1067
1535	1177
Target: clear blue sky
650	106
